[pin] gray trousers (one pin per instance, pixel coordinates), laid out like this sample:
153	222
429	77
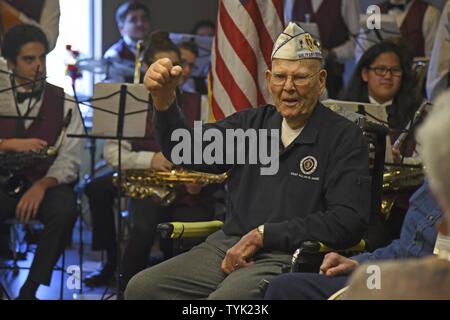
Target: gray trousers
196	274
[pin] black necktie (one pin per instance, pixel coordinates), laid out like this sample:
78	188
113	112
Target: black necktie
22	96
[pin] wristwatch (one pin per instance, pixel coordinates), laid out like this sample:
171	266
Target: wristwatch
261	231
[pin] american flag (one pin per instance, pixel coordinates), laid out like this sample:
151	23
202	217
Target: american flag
246	31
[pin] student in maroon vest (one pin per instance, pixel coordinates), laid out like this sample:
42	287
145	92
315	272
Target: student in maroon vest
418	23
338	23
196	205
42	13
50	197
132	18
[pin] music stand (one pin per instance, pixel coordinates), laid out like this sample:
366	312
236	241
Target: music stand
113	100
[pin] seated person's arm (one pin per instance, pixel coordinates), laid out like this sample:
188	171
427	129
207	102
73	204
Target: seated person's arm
22	145
169	118
134	159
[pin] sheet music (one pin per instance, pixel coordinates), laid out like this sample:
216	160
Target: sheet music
7	101
105	124
442	246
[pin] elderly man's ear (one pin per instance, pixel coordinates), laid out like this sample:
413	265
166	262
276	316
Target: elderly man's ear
322	80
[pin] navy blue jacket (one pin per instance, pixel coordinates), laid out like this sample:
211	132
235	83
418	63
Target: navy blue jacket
329	203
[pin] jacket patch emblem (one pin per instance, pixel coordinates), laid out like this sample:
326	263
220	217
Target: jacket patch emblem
308	165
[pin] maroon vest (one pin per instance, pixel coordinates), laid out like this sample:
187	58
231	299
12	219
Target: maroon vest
332	28
123	51
191	109
31	8
47	127
411	28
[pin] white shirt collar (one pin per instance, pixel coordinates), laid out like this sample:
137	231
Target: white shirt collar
385	104
288	134
129	42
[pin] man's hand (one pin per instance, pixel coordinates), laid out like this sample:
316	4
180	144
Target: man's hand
240	254
160	163
161	79
23	145
28	205
334	264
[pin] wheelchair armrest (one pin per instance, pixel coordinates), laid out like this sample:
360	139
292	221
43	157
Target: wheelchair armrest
177	230
309	256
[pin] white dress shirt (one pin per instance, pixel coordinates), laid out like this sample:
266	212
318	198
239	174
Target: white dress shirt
439	66
49	21
288	134
350	13
66	166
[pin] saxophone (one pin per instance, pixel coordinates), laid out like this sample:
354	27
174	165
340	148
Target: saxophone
162	187
15	184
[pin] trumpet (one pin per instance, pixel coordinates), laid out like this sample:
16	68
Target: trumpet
15	184
162	187
138	62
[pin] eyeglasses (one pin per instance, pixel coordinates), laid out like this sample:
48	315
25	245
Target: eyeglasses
382	71
279	79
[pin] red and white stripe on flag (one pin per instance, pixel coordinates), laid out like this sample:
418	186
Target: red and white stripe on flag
246	32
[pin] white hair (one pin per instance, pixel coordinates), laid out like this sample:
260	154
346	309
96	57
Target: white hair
434	140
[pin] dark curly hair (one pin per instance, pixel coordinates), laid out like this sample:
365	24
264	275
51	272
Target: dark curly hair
407	99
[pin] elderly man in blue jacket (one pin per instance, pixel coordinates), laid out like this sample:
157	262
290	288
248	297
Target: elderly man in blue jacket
319	187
